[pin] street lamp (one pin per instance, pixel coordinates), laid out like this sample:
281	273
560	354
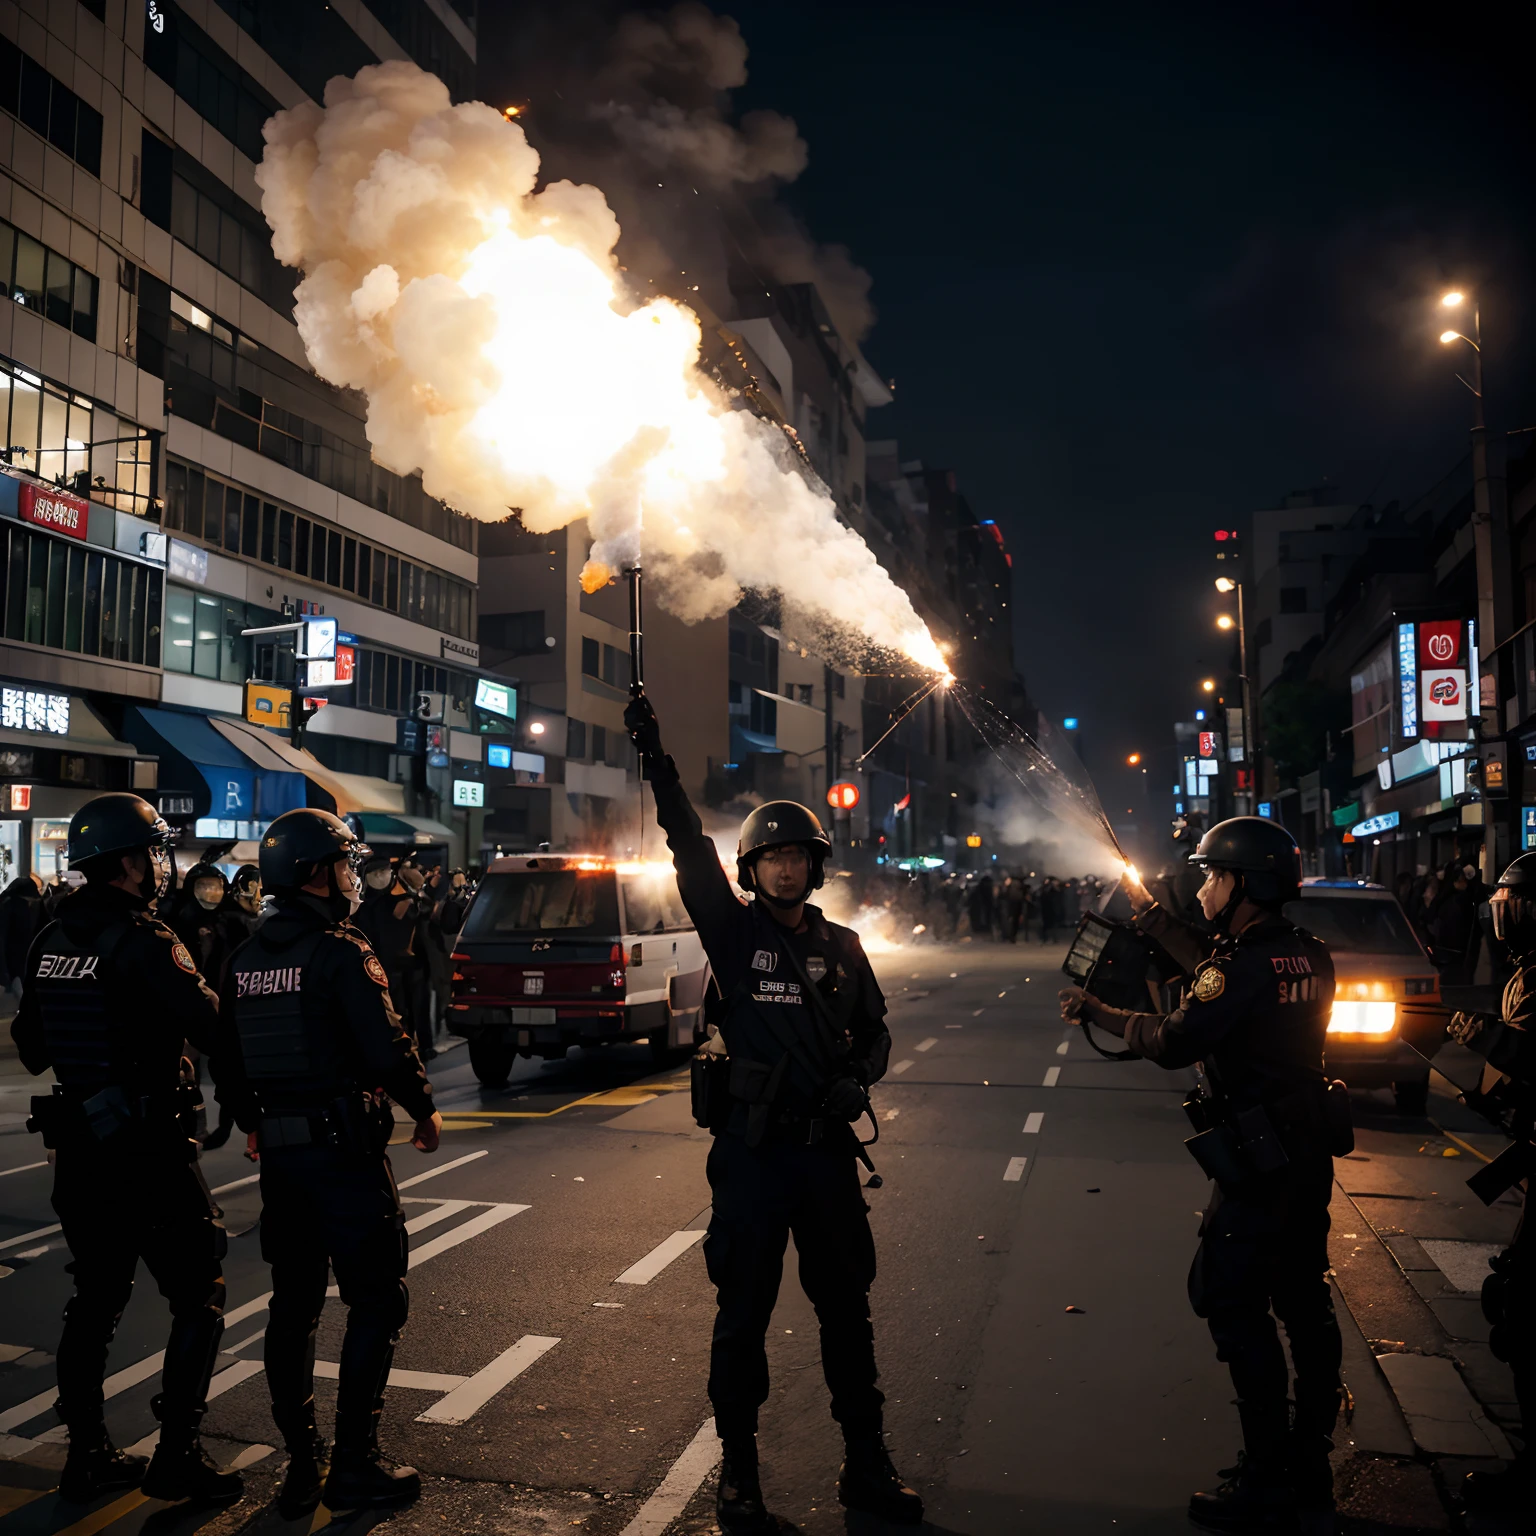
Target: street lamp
1492	614
1133	759
1208	685
1224	621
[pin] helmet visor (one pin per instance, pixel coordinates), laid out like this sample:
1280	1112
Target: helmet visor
1511	912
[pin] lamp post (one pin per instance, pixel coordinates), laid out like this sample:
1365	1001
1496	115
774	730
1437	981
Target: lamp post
1225	621
1492	590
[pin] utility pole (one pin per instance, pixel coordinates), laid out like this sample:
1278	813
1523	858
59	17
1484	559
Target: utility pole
830	737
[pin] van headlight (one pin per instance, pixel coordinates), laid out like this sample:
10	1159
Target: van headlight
1362	1018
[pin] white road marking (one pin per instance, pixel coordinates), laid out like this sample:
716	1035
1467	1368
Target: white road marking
1051	1074
669	1248
954	1026
22	1168
679	1485
420	1381
436	1214
928	1044
1061	1050
616	1304
901	1066
1033	1123
890	1114
27	1237
432	1173
31	1253
1015	1170
978	1013
462	1234
224	1189
470	1396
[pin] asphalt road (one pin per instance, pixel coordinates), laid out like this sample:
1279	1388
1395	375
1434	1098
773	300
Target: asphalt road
1035	1224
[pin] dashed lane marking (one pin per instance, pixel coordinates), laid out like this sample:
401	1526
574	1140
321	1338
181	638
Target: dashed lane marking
1061	1050
432	1173
1015	1170
978	1013
419	1381
670	1248
470	1396
27	1237
1051	1074
679	1485
928	1044
901	1066
224	1189
1033	1122
22	1168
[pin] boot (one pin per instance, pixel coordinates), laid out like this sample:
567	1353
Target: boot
365	1479
1307	1464
182	1469
739	1497
361	1477
1258	1497
868	1481
95	1466
306	1456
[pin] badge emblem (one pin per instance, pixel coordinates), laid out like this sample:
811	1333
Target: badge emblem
1209	984
815	967
765	960
375	971
183	957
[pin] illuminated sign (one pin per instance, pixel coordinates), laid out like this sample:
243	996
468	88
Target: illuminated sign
52	509
346	663
974	840
468	792
498	756
1408	679
1070	723
1207	743
843	797
1440	644
267	706
319	640
496	698
21	797
1375	824
24	709
1528	827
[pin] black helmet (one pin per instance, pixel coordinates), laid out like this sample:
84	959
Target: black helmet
119	823
247	874
774	825
1513	906
1262	852
300	842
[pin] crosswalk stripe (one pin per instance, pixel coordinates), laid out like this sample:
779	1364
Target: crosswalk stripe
26	1237
1015	1170
470	1396
679	1485
432	1173
928	1044
646	1269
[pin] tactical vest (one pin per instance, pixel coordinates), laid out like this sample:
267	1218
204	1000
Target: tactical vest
287	1067
82	1021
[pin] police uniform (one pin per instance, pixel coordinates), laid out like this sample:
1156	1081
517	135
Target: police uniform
110	996
1255	1016
800	1012
315	1035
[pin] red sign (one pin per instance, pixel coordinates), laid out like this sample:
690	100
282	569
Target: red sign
21	797
53	509
346	663
1440	644
843	796
1445	691
1207	743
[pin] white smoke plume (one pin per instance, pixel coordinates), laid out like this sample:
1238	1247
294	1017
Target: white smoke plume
484	319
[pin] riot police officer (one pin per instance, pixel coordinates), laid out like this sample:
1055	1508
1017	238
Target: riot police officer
1508	1044
315	1040
804	1037
1255	1016
111	995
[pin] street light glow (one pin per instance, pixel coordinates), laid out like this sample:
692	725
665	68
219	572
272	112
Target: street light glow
1209	685
1447	336
1452	299
1224	621
1225	584
1133	759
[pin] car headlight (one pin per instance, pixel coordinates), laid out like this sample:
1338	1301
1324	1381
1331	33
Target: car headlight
1362	1018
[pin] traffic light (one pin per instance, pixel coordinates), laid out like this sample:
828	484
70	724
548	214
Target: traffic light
1228	545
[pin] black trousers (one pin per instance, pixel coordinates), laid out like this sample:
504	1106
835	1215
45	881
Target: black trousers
117	1207
762	1194
325	1210
1263	1251
1509	1304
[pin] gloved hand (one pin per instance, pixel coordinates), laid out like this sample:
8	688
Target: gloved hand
847	1099
1464	1028
644	730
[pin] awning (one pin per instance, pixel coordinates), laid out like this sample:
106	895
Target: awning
420	830
351	792
197	759
745	742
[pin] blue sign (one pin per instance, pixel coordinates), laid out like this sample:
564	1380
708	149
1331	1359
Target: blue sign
437	759
1408	678
1070	723
1199	714
408	735
498	756
1528	826
1374	824
1264	808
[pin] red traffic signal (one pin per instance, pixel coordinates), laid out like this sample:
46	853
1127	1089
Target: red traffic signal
843	796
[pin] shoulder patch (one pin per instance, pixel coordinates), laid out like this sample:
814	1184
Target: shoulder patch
376	971
1209	984
182	956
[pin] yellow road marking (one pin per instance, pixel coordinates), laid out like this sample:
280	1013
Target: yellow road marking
1466	1146
99	1519
17	1498
604	1096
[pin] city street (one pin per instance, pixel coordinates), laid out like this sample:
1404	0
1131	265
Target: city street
1035	1223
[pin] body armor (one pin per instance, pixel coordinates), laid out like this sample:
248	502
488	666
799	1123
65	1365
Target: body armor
81	1021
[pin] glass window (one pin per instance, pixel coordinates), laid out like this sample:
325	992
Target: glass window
250	526
376	591
349	565
7	255
59	305
208	624
37	586
1355	924
542	901
392	595
135	585
111	613
58	563
301	546
16	587
179	608
285	539
84	318
50	460
27	287
152	634
333	560
26	403
232	650
192	524
77	454
575	739
90	638
392	683
75	596
213	511
232	519
364	570
591	657
268	533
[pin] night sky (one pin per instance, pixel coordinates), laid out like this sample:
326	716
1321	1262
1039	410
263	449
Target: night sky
1140	270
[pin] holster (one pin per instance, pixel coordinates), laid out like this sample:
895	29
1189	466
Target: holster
1340	1118
709	1089
51	1119
1220	1157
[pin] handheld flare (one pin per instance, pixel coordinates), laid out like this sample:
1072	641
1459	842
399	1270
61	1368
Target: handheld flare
636	641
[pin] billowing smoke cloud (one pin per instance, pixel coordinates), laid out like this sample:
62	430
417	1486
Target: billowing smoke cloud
483	318
640	103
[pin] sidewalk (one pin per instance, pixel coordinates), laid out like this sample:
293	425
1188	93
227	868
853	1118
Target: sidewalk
1410	1246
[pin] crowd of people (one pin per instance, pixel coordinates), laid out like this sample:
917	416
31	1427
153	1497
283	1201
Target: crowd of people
1003	906
1444	908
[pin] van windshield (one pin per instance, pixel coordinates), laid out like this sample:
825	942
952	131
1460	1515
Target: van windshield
567	901
1356	926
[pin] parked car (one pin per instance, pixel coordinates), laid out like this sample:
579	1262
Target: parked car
564	949
1382	970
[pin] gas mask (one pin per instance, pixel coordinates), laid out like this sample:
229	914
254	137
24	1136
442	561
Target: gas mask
208	895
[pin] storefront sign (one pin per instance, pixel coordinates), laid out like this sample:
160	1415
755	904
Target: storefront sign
1495	756
1444	693
468	792
1375	825
1408	679
1207	743
267	706
1528	827
459	650
346	663
24	709
55	510
21	797
498	756
496	698
186	562
1440	644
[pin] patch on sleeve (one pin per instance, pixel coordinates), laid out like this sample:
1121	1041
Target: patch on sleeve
183	957
1209	984
376	971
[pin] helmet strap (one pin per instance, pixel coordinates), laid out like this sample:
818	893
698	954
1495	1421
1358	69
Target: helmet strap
1222	922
